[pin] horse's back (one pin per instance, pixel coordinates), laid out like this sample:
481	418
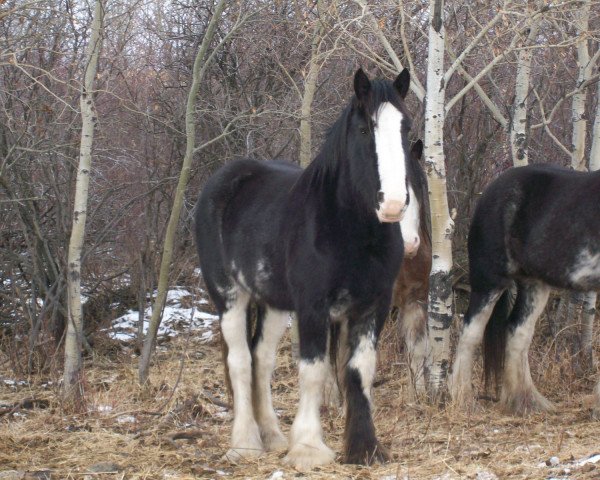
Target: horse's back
535	222
238	217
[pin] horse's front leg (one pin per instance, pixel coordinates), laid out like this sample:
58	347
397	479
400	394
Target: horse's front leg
360	442
307	449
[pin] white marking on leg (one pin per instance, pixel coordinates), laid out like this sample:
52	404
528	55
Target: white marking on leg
274	325
586	271
307	448
364	360
391	162
410	224
245	435
459	383
519	394
413	320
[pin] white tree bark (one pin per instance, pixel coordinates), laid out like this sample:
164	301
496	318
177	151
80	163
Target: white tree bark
440	293
518	130
74	335
167	255
579	99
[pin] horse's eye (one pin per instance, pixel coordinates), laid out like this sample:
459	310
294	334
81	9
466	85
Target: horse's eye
364	131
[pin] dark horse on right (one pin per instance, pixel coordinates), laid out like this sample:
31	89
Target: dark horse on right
534	228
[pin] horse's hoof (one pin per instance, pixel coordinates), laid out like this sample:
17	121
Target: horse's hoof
244	446
368	456
274	441
526	402
305	457
238	454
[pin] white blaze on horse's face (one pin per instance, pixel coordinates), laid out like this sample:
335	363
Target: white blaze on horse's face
409	225
390	163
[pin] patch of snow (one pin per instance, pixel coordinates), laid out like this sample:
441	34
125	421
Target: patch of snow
14	383
276	474
594	458
126	419
176	318
484	475
104	408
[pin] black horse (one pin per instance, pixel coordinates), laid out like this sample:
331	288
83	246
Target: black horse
324	242
534	228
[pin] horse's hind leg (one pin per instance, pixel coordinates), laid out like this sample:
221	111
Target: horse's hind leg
481	306
413	320
245	435
518	392
263	354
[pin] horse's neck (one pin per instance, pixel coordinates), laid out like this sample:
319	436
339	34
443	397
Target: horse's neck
330	190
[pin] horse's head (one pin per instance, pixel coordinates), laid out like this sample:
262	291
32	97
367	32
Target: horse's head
377	147
411	222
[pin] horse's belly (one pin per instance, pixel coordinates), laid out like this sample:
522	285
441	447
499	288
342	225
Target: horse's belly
262	278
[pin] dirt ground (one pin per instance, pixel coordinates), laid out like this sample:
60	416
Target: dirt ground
179	426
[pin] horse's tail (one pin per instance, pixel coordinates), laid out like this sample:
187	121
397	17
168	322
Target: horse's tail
494	341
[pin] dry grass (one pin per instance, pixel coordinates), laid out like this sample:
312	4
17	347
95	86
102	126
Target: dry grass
123	424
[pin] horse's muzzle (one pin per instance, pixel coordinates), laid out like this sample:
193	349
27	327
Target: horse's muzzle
391	211
411	247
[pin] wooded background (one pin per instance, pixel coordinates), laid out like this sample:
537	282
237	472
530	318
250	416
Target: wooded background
512	82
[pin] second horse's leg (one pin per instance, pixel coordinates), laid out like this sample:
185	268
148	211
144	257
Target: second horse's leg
413	320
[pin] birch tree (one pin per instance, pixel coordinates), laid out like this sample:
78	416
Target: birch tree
74	334
584	65
442	225
582	321
518	128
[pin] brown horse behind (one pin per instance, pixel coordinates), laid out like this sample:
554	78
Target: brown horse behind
411	289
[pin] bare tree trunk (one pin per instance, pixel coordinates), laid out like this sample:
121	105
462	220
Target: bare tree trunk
518	130
442	225
167	255
579	99
74	337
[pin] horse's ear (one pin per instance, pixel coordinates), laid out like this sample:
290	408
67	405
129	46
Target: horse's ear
402	82
362	85
417	150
